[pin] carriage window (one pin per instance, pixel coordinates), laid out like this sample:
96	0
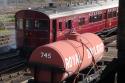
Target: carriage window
29	24
36	24
90	18
41	24
105	15
19	23
69	24
114	13
60	26
95	18
110	15
99	17
81	21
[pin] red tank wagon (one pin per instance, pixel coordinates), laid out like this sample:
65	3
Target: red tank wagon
36	27
68	56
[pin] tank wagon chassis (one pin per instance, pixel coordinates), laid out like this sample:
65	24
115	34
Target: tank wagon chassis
93	75
89	75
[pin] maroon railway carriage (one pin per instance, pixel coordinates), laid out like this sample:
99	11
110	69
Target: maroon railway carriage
40	26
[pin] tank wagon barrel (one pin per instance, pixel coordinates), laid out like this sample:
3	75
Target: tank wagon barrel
57	61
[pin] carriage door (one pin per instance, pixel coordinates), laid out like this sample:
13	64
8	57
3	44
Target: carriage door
105	18
69	24
54	29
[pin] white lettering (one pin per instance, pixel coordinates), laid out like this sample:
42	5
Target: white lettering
72	61
68	62
95	50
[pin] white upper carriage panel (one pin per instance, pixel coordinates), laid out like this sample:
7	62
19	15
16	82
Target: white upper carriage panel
57	12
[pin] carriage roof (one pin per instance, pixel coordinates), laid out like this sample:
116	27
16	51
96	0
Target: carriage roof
67	11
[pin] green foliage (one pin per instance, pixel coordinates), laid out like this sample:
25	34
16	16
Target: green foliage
7	18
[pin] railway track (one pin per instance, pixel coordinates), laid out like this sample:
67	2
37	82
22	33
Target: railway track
109	39
9	62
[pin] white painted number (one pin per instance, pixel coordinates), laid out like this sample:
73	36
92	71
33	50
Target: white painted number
46	55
